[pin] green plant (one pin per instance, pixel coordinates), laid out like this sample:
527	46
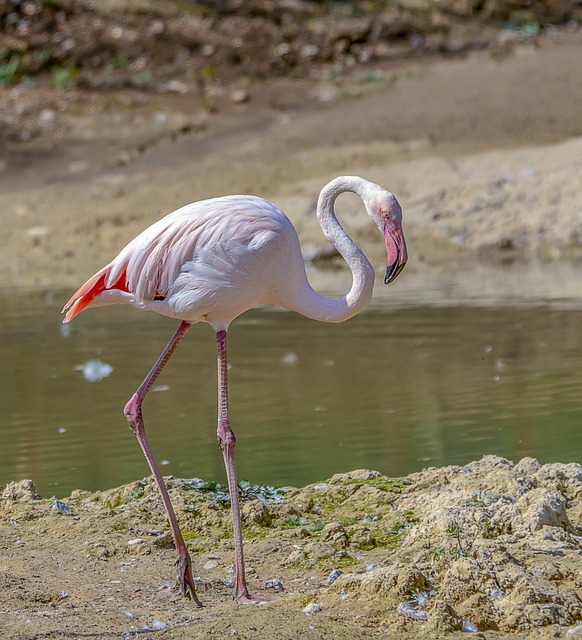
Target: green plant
218	493
464	532
64	77
346	522
119	61
291	523
11	70
318	526
138	491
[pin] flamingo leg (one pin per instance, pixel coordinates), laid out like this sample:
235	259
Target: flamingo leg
133	413
227	441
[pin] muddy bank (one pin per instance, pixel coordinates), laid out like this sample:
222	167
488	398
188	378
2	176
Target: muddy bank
483	153
492	548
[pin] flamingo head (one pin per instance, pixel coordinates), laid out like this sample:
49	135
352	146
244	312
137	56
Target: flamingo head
387	215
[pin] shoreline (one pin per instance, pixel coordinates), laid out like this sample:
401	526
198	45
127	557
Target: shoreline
486	546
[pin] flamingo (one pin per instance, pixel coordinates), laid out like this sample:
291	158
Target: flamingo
209	262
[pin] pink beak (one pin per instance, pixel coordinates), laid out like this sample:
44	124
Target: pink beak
396	250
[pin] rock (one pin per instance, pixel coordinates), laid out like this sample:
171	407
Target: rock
334	532
319	551
333	576
378	582
444	619
135	542
410	580
239	96
23	491
297	556
356	475
527	467
535	509
164	540
274	584
312	608
256	512
362	538
480	610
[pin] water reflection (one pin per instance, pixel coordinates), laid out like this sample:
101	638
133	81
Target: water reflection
393	389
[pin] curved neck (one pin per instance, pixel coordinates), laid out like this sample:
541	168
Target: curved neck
337	310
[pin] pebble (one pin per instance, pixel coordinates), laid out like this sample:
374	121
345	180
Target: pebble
164	540
36	232
158	624
238	96
274	584
312	608
333	576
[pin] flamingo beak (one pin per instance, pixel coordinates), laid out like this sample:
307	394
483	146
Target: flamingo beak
396	250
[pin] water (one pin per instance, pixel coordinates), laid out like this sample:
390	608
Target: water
395	389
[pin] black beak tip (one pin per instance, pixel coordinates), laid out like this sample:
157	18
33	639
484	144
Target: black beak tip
392	272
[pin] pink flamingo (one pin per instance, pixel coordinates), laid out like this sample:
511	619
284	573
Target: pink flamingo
209	262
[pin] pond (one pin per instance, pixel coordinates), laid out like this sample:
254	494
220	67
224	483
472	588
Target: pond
405	385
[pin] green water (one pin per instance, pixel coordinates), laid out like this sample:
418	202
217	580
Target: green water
393	389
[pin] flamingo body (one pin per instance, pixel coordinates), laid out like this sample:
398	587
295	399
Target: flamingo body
208	261
211	261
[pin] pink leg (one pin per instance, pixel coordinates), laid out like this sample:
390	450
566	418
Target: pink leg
227	441
133	413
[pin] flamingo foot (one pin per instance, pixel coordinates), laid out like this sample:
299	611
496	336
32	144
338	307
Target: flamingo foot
246	598
186	579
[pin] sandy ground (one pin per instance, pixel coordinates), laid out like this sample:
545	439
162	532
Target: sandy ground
485	155
492	549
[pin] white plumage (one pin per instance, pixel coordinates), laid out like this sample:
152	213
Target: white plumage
211	261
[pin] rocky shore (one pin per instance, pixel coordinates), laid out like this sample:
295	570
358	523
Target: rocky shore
492	549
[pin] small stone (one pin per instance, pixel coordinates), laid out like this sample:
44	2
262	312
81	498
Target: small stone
164	540
444	619
312	608
211	564
274	584
411	580
176	86
158	624
256	512
135	541
333	531
37	232
239	96
333	576
47	117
